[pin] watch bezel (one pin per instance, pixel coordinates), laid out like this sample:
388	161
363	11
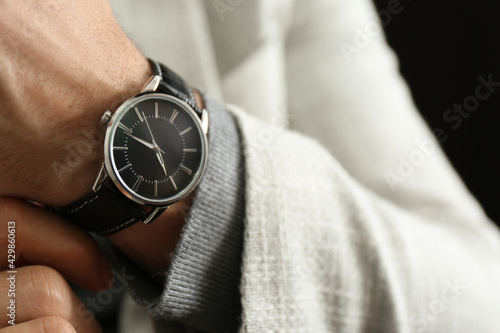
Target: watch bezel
109	159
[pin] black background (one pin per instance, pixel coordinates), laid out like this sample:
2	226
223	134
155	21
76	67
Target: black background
443	46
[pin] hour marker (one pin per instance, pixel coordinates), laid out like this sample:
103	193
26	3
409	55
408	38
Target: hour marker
137	184
156	109
186	130
190	150
173	116
186	169
125	128
120	148
138	114
156	188
125	167
171	180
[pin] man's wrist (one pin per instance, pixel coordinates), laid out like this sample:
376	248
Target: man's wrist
123	84
56	83
125	80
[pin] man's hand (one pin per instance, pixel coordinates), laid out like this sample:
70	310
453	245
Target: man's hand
62	64
47	249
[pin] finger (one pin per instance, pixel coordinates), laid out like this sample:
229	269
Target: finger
44	238
41	291
41	325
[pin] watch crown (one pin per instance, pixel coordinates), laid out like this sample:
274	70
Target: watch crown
105	117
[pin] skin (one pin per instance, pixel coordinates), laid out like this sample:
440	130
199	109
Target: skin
44	300
63	63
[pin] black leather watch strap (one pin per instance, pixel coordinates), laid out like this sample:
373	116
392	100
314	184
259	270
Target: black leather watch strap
104	212
173	84
108	210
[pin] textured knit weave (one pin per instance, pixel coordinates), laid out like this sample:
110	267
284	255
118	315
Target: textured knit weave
330	245
325	254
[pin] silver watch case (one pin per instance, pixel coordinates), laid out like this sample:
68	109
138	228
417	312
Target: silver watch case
109	170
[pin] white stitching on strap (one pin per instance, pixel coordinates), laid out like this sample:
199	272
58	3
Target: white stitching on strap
81	206
117	227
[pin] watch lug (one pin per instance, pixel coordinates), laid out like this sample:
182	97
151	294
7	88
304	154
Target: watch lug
157	211
152	85
204	121
100	179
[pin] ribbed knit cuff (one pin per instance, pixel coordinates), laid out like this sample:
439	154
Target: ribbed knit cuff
202	284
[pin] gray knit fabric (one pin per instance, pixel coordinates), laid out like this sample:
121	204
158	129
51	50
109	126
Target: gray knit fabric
201	288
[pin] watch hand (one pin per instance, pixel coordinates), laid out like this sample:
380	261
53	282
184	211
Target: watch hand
162	162
149	128
144	142
154	142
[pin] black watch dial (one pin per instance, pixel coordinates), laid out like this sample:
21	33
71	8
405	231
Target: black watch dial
156	149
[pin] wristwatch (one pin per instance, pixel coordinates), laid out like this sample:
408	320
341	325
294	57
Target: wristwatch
155	153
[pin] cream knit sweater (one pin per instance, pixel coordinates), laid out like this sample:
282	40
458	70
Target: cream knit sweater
358	223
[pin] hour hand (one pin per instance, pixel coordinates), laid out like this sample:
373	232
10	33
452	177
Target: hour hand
145	143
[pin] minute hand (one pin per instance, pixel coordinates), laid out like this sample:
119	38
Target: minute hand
144	142
151	133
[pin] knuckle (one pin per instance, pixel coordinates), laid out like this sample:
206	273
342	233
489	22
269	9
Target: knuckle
54	325
48	291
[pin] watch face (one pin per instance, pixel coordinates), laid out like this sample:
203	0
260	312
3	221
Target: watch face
155	149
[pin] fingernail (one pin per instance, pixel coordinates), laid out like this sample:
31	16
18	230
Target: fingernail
106	273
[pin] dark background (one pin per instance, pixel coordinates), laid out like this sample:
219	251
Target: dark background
443	47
